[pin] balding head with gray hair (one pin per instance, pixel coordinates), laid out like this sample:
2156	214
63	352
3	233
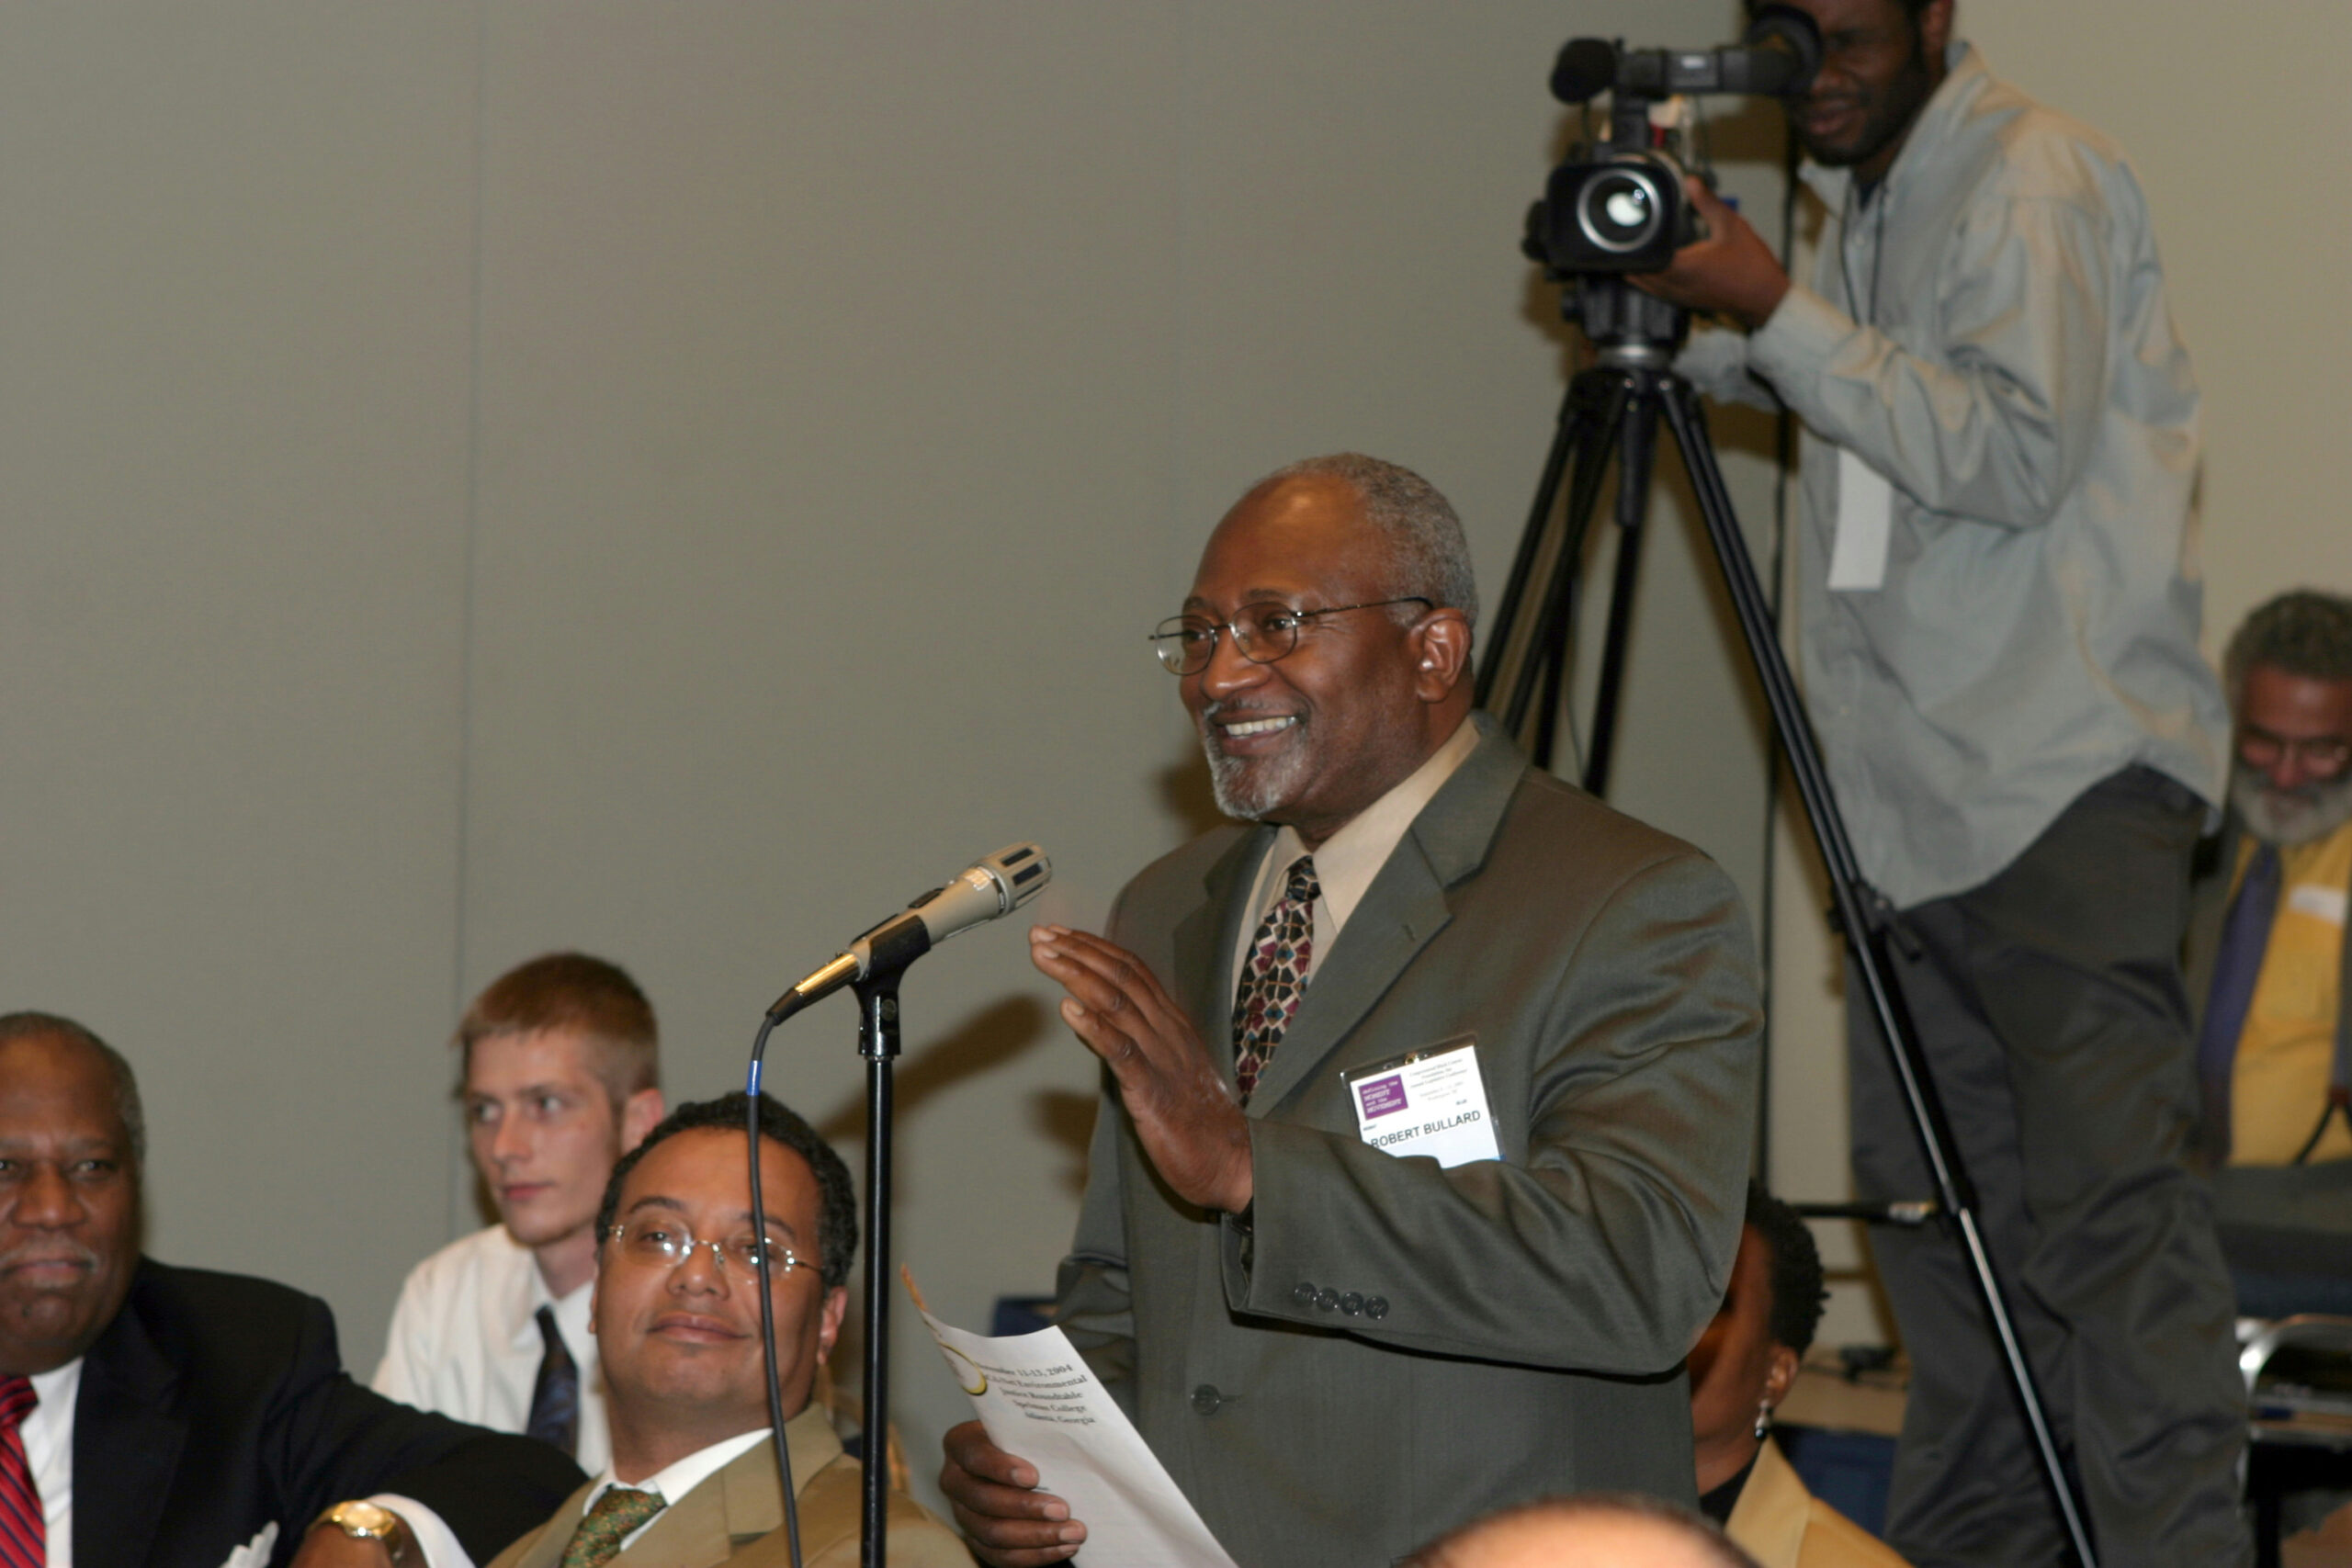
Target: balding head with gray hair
125	1085
1429	556
1593	1529
2304	633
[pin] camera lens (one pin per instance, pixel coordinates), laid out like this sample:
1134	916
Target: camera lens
1619	209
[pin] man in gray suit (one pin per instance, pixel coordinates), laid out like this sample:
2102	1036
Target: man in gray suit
1341	1334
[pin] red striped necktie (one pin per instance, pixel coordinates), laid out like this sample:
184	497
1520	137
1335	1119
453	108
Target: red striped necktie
23	1534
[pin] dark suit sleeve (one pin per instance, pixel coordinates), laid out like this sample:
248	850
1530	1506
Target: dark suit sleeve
326	1439
1608	1245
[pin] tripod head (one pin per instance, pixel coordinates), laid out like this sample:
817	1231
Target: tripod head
1629	329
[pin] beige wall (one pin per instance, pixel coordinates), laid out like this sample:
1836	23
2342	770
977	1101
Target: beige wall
676	479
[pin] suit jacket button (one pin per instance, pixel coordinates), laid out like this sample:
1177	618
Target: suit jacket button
1327	1299
1352	1302
1303	1293
1377	1306
1205	1400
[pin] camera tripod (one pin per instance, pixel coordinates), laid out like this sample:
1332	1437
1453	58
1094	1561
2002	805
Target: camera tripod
1613	407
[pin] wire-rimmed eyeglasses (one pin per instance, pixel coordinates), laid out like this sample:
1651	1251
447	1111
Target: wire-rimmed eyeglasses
1261	632
663	1241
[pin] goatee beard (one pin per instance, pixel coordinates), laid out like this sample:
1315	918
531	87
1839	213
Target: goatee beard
2290	817
1248	788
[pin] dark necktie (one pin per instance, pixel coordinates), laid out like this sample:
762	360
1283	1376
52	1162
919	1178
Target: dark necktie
555	1395
598	1539
2238	963
24	1533
1274	979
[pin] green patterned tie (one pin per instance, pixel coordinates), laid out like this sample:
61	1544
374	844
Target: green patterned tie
598	1539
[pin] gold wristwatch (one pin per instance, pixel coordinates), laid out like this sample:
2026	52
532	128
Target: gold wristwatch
365	1521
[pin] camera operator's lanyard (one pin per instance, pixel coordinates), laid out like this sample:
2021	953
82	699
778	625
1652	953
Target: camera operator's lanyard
1865	499
1878	247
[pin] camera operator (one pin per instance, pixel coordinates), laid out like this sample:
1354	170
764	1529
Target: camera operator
1999	644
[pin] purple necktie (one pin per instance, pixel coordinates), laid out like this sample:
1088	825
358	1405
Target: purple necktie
2238	963
555	1393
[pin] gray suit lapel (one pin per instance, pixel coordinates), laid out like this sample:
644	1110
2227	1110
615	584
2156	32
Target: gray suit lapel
1204	944
1404	907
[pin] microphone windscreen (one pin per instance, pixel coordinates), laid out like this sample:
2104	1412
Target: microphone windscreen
1587	68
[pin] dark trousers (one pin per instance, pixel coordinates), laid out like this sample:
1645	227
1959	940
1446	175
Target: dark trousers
2048	1002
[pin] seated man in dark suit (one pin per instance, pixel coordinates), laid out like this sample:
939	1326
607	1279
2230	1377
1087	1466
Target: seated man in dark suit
676	1315
154	1415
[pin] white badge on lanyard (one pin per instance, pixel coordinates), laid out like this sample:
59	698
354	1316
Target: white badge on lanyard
1427	1102
1865	518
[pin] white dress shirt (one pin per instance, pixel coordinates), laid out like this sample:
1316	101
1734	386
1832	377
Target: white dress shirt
465	1340
48	1434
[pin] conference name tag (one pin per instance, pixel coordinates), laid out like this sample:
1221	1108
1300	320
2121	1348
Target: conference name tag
1865	519
2325	903
1430	1103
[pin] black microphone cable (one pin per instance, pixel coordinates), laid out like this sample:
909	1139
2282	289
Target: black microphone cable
767	1297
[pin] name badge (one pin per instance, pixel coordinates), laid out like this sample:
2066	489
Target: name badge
2325	903
1865	519
1430	1103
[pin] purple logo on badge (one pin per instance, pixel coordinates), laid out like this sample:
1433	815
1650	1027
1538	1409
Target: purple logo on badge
1383	1096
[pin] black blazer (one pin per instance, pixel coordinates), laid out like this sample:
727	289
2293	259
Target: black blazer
215	1404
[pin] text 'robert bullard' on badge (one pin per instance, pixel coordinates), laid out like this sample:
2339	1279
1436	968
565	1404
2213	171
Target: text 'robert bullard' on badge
1427	1102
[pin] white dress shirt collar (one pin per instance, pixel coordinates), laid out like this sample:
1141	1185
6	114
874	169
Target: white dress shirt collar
675	1481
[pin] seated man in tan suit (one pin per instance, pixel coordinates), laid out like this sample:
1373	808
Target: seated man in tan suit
676	1315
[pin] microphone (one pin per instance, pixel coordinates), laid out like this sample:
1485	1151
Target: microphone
1778	56
1587	68
995	884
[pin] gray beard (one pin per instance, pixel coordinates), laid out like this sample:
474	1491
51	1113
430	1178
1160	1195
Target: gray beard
2312	812
1249	790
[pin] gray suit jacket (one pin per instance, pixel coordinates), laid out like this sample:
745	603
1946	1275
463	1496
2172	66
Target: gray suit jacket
1534	1310
736	1517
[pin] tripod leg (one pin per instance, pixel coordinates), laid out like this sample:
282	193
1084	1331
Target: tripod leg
1865	921
1637	449
1550	700
1565	431
1601	398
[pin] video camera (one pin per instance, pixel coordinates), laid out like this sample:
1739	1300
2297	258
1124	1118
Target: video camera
1618	206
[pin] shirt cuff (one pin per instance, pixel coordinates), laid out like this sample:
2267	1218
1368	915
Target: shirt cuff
1796	341
434	1540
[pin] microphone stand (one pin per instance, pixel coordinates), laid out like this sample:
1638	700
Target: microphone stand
872	967
877	1042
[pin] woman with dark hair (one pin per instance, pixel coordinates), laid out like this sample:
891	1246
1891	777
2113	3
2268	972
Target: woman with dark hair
1741	1369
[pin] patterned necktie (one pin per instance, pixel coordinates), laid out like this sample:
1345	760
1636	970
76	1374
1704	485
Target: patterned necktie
1274	980
598	1539
555	1396
2237	962
23	1532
